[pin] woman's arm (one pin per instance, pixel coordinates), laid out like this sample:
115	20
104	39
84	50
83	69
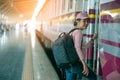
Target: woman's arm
77	36
91	40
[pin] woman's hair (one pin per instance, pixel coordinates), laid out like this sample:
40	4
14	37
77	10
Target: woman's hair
75	23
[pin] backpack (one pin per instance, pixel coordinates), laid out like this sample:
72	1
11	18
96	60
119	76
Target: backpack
64	51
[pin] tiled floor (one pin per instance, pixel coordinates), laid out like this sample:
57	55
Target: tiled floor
28	63
12	55
23	58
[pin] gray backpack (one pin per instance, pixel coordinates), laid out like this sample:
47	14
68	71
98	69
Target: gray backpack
64	51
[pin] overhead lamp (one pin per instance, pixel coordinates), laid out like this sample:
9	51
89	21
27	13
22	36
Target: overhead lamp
21	16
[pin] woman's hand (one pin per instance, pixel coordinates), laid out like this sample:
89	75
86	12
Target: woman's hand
85	68
94	36
92	40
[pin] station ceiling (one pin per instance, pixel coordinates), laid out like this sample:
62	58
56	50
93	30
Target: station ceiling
13	11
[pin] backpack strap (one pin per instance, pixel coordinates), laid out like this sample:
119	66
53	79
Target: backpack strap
62	34
72	30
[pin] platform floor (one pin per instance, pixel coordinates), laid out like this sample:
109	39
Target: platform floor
23	58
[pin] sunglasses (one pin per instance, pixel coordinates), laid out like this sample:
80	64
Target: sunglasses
78	20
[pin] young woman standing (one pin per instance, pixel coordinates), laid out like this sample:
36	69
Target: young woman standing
80	69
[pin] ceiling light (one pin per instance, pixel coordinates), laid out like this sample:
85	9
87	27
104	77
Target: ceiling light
21	15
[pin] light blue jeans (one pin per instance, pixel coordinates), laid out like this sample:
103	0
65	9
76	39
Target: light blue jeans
76	71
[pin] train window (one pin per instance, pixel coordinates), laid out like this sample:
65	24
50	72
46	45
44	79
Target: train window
79	5
55	7
70	4
63	5
59	6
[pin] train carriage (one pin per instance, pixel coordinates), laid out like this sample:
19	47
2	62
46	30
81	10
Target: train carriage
103	57
109	32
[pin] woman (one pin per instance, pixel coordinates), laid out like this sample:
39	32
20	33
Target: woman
80	69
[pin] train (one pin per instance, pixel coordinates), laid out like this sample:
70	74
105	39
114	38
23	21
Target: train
103	57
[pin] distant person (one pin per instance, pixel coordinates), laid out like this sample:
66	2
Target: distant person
80	69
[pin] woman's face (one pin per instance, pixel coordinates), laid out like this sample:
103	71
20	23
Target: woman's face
82	24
